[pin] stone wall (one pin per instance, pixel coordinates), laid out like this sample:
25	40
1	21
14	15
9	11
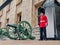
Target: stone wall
26	8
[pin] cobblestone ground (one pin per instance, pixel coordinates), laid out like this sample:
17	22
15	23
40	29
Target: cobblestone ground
29	42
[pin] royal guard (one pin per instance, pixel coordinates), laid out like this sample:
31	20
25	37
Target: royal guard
43	24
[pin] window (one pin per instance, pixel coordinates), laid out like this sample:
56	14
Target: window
18	17
0	24
7	21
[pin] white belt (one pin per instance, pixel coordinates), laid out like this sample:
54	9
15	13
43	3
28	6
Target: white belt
42	21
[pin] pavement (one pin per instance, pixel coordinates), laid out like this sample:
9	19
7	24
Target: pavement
6	41
29	42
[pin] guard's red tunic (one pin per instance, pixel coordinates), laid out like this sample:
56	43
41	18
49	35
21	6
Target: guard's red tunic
43	21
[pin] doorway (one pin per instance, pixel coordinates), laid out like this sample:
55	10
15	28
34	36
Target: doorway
57	11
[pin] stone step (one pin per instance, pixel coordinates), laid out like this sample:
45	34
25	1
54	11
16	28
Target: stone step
36	32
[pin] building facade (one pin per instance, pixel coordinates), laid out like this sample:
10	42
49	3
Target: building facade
20	10
27	10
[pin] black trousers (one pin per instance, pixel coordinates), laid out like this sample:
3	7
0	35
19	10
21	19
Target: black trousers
43	33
